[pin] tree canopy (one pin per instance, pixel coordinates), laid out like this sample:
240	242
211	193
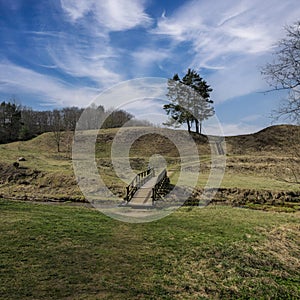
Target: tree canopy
190	101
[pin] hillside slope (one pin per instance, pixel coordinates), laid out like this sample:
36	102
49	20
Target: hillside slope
276	139
261	161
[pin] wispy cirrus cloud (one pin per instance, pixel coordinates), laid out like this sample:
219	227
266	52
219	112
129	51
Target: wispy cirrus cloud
113	15
85	50
22	81
75	51
231	38
147	58
95	63
228	27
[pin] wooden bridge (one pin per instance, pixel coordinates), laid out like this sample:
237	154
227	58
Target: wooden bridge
146	188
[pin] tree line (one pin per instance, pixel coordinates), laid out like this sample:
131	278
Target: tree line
19	122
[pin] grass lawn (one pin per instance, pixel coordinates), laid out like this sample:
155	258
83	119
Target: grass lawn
64	252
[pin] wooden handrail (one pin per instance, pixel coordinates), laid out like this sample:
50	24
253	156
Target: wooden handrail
162	179
139	180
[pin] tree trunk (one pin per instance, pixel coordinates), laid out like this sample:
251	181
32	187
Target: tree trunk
57	139
197	126
189	126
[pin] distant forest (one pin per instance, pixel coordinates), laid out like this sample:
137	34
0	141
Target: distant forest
19	122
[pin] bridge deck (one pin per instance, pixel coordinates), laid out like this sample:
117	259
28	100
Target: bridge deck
143	196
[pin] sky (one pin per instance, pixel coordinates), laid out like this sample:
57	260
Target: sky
65	52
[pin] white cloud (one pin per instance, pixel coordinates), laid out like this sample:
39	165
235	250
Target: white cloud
241	77
148	56
85	51
76	9
232	37
231	129
113	15
94	63
145	59
130	94
19	80
226	27
82	51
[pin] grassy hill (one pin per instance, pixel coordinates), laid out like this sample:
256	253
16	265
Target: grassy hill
264	161
44	175
61	252
278	139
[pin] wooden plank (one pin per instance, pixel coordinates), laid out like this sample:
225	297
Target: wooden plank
143	197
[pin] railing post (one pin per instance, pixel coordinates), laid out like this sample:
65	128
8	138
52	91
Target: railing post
138	181
127	193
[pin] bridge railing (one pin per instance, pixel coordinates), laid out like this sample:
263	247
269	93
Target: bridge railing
139	180
161	182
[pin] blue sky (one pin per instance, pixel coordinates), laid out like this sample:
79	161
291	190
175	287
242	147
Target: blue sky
63	53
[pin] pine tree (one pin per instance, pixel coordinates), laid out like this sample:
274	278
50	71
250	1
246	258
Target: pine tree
189	101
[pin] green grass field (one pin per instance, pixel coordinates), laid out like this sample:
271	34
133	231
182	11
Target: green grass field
64	252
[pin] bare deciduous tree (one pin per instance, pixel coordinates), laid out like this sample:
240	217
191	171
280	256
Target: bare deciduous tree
283	73
57	128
